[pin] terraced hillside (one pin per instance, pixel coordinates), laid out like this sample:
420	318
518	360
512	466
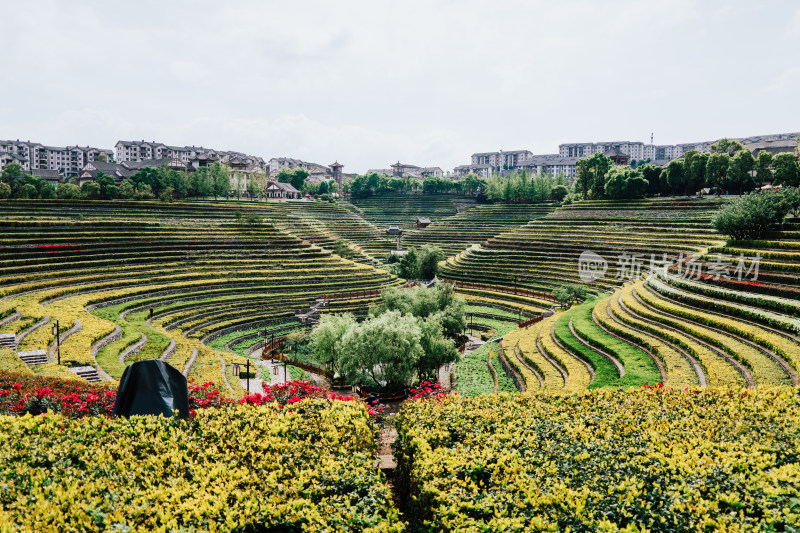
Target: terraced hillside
681	326
457	233
544	253
102	269
403	209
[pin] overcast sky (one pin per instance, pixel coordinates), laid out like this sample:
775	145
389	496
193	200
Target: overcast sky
370	82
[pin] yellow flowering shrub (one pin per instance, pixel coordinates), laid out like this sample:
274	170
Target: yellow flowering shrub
306	468
649	459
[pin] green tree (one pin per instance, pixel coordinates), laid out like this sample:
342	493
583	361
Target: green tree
763	168
127	189
598	166
429	257
90	190
727	146
751	216
582	177
326	339
636	186
739	171
299	177
5	190
26	191
382	351
179	181
47	193
167	194
252	187
558	193
222	180
566	294
651	173
695	169
11	172
408	267
615	182
717	171
791	196
144	192
472	183
438	301
676	175
437	350
786	170
204	182
107	186
68	191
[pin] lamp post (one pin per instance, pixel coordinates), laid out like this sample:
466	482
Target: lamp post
237	373
57	333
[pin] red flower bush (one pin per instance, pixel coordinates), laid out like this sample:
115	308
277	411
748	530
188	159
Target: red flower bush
292	392
427	391
21	394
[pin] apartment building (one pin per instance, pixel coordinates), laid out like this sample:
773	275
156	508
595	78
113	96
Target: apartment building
484	163
66	160
502	159
191	157
553	164
406	170
277	163
641	151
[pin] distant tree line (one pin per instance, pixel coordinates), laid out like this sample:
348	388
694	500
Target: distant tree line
728	168
374	184
520	187
150	182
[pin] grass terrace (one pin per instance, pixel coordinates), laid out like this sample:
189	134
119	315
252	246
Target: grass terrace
404	209
456	233
544	253
101	269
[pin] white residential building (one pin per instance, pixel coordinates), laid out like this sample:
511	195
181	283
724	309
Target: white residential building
67	160
553	164
189	156
277	163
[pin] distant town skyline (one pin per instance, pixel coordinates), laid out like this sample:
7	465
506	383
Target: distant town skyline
425	83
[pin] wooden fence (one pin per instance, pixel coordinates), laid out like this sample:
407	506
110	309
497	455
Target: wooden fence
533	320
305	366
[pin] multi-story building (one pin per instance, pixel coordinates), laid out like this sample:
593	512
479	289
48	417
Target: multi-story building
485	163
190	156
641	152
67	161
504	160
484	170
406	170
634	150
553	164
277	163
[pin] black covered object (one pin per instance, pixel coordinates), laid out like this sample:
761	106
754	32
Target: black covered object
152	387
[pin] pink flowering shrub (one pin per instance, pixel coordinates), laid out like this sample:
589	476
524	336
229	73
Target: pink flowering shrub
427	391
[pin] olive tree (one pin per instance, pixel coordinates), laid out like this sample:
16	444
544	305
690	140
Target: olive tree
383	351
326	339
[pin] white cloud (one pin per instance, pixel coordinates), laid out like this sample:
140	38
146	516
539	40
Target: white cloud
372	81
785	82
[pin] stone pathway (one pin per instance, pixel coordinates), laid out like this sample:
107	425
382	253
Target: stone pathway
265	371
